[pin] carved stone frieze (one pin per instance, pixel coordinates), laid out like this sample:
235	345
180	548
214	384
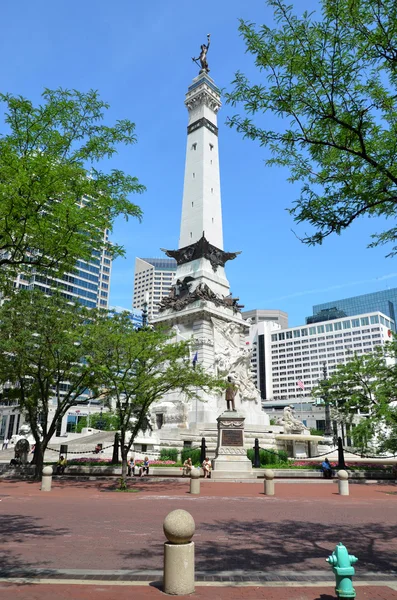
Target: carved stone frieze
233	424
178	301
232	450
203	97
202	341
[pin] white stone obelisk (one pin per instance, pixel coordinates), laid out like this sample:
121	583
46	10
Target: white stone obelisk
200	307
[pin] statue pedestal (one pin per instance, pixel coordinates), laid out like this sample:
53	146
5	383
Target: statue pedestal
231	461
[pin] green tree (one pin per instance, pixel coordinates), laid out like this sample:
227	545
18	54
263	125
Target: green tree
330	78
137	368
56	202
43	346
367	386
105	421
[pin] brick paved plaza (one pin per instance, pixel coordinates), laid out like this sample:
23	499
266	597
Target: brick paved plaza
84	531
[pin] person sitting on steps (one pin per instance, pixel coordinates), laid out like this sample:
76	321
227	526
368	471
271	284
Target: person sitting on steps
61	465
206	467
187	467
144	469
326	469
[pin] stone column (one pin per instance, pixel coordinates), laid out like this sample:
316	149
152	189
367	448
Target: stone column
195	481
46	479
269	482
179	527
343	483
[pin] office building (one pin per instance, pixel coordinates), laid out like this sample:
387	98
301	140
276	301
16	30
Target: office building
258	315
288	363
384	302
152	281
88	284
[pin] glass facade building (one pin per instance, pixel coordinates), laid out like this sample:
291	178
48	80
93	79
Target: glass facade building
384	302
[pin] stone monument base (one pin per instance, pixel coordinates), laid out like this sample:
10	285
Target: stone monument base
231	461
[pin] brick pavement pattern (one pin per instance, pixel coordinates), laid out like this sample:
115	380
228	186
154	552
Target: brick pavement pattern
87	525
97	592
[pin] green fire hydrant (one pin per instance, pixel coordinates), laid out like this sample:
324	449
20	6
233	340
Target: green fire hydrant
341	562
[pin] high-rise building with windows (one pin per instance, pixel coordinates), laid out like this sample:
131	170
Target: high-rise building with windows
88	284
288	363
152	281
384	302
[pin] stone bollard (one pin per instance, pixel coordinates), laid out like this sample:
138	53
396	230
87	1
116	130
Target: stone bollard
46	479
343	483
178	577
195	481
269	482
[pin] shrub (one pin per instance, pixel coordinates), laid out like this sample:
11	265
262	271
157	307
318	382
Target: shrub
193	453
269	457
169	454
314	431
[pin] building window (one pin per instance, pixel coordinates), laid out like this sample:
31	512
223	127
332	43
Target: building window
364	321
280	336
297	333
194	146
211	147
303	332
312	331
346	324
355	322
374	319
320	329
328	327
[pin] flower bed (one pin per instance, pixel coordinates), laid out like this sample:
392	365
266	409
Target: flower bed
107	462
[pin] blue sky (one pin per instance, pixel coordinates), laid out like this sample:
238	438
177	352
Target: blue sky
138	55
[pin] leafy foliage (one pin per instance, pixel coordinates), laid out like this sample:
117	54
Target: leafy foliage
134	369
105	421
193	453
331	80
169	454
269	457
55	203
366	386
43	344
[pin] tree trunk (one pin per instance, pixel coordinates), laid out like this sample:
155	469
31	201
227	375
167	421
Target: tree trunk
38	460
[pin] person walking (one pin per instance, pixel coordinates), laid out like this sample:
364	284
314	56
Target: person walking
5	444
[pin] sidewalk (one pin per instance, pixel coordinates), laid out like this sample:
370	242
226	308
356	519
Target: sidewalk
23	590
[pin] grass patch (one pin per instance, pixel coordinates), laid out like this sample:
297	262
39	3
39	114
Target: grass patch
126	490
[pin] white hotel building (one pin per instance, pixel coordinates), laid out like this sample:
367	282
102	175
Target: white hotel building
282	357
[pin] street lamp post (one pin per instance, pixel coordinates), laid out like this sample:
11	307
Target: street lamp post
328	429
145	310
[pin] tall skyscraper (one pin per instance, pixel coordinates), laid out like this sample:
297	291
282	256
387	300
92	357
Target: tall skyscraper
152	281
384	302
89	284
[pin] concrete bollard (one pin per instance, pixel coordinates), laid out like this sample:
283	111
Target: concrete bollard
46	479
343	483
269	482
178	579
195	481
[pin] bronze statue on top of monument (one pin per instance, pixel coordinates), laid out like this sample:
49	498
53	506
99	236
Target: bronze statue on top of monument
203	56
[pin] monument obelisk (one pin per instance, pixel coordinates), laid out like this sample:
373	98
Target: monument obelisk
200	307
